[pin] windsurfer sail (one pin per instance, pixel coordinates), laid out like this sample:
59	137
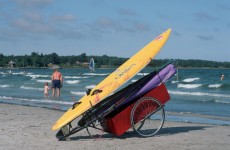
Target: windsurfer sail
91	65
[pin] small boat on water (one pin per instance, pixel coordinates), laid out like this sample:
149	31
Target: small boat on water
55	67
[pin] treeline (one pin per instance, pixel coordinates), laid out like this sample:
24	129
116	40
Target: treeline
40	60
193	63
202	64
47	60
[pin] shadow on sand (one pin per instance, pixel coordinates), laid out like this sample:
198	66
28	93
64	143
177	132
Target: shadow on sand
132	134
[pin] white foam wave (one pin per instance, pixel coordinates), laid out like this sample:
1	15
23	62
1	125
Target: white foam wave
34	76
221	101
37	100
133	80
5	86
78	93
189	86
72	81
173	82
74	77
191	79
198	94
90	86
6	97
142	74
43	81
19	73
96	74
214	85
30	88
55	101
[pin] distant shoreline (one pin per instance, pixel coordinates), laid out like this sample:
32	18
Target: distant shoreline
77	61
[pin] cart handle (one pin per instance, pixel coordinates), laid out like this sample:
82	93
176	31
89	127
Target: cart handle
75	104
96	92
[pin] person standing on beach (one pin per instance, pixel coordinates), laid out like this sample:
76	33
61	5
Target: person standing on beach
56	83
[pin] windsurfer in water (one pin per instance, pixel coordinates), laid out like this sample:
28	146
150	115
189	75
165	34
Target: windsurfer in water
56	83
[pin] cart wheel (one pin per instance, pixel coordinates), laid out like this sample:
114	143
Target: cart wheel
95	130
147	116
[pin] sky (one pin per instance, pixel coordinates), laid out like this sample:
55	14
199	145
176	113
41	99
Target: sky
200	28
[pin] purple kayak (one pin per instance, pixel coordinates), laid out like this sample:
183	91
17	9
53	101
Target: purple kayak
160	77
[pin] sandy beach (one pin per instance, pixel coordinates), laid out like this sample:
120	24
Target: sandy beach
25	128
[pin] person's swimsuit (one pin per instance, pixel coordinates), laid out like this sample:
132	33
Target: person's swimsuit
56	83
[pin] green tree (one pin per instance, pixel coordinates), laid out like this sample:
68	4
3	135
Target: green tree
54	58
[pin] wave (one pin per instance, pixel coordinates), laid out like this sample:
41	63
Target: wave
133	80
34	76
189	86
210	97
43	81
78	93
72	81
199	94
19	73
142	74
96	74
221	101
90	86
214	85
37	100
3	73
5	86
222	86
31	88
74	77
14	73
191	79
173	82
6	97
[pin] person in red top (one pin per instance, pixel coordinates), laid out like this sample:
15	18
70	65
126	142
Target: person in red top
56	83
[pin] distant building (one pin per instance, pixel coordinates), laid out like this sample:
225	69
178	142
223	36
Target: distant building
11	63
78	63
85	64
104	66
53	66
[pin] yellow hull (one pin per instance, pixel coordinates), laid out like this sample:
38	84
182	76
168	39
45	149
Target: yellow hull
122	74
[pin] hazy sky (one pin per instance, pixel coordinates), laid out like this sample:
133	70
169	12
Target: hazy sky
200	28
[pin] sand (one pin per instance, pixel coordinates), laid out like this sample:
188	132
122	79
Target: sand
24	127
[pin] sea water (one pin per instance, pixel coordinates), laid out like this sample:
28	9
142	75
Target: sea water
192	91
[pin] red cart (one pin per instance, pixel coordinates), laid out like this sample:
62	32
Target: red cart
146	116
144	112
